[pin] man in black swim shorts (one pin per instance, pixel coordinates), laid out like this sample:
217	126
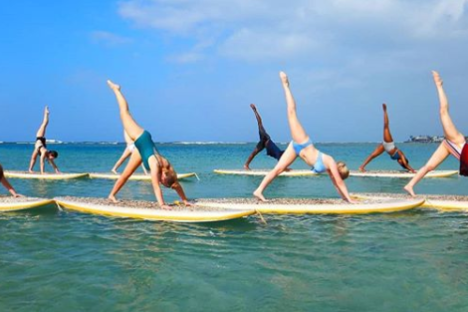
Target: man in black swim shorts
264	142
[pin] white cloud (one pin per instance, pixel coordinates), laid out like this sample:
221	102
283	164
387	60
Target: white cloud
278	30
108	38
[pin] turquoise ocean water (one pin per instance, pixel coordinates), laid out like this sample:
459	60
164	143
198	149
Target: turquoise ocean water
54	260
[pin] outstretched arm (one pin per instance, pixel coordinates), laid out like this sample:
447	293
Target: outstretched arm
180	191
52	163
157	188
404	162
338	182
10	188
42	129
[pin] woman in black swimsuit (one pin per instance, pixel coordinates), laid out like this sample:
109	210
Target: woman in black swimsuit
40	148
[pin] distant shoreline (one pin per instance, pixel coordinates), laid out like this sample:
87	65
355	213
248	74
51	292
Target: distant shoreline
112	143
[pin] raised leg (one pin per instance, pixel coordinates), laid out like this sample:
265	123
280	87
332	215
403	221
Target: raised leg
285	161
436	159
130	126
42	129
133	163
298	133
387	136
257	116
450	131
377	152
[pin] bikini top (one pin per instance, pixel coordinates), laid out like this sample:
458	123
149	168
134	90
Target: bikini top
319	166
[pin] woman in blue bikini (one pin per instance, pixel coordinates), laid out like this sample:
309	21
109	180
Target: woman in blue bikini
388	145
160	169
302	146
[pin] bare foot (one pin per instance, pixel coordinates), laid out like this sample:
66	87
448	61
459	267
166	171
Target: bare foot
259	196
46	110
246	167
31	171
409	189
112	199
437	80
362	169
114	171
384	106
284	78
113	86
253	106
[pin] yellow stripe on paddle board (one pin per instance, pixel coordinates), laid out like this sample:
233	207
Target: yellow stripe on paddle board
257	172
431	201
45	176
9	204
366	206
402	174
136	177
177	215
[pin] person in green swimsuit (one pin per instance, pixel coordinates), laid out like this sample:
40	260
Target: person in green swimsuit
160	169
7	185
126	154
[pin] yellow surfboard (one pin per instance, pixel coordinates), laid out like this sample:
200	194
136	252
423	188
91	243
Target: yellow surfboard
315	206
150	210
45	176
446	202
264	172
9	203
439	202
402	174
136	177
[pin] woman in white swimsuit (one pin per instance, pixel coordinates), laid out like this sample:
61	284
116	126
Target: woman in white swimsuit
388	146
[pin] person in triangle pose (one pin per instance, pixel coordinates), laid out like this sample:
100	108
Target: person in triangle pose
40	147
388	146
265	142
159	167
454	142
301	146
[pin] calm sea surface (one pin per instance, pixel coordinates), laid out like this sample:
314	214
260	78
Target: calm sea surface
54	260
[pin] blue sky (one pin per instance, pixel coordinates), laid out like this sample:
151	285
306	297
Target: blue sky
190	69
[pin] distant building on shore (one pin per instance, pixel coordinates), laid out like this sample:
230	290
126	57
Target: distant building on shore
425	139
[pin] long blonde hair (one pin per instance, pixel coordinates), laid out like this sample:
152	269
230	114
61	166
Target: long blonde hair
343	170
171	176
